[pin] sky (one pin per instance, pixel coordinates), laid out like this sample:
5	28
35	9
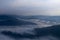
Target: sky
30	7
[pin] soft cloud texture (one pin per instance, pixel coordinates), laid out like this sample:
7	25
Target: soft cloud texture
32	7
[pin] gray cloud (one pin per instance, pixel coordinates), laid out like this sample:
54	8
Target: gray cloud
31	7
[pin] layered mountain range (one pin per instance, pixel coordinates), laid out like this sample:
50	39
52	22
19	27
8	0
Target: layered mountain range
11	20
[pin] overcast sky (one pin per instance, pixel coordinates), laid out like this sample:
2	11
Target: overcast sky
30	7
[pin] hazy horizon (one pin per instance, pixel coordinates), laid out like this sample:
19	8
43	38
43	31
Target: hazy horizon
30	7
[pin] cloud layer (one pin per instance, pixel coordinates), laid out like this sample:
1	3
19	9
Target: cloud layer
32	7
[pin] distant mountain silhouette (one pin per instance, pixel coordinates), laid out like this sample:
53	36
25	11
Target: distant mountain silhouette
41	17
11	20
39	32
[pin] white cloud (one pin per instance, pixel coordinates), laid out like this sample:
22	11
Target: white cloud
34	7
38	3
48	7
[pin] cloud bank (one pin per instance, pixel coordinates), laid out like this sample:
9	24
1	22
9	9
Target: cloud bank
31	7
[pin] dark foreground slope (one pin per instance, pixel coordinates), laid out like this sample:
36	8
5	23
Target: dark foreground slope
38	32
53	30
10	20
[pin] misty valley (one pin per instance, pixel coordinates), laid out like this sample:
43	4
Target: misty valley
18	27
29	19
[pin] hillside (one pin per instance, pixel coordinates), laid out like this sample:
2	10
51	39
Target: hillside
11	20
